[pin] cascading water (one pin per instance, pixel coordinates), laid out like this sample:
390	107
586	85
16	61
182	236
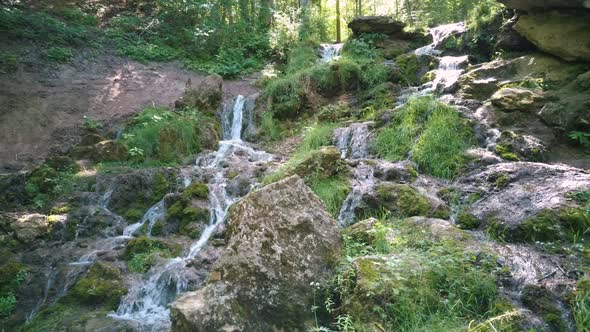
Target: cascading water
147	300
353	141
439	35
330	52
155	213
364	181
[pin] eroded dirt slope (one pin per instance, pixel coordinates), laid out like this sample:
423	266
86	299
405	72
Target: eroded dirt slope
42	108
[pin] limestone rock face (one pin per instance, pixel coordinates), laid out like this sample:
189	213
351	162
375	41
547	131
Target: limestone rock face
545	4
570	110
514	194
280	239
563	34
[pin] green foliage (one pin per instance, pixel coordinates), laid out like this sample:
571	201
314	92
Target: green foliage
100	286
46	183
141	263
407	69
287	97
59	54
580	305
269	127
43	28
160	134
432	133
332	191
12	274
582	138
196	190
428	284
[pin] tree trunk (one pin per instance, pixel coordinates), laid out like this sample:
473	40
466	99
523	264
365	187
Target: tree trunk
338	35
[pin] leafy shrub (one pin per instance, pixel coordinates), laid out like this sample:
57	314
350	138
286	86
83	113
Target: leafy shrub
287	97
433	134
166	136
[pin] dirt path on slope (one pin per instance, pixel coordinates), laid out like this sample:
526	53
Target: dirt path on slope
41	109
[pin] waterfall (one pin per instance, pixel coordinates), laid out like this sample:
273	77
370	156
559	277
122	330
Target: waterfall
330	52
362	184
448	72
236	128
147	300
353	141
439	35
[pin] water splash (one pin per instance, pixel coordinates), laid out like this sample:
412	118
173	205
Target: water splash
330	52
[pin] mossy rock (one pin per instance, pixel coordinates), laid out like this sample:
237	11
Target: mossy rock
324	163
198	190
42	179
542	302
100	286
467	221
402	200
143	245
407	70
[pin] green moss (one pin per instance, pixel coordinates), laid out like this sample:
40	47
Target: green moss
554	225
467	221
158	229
101	286
402	200
500	180
408	66
428	77
142	245
505	151
160	187
197	190
189	218
134	214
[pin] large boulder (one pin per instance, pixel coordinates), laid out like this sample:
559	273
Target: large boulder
376	24
563	34
280	239
528	5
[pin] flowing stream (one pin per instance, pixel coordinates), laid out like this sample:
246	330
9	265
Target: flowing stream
148	298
